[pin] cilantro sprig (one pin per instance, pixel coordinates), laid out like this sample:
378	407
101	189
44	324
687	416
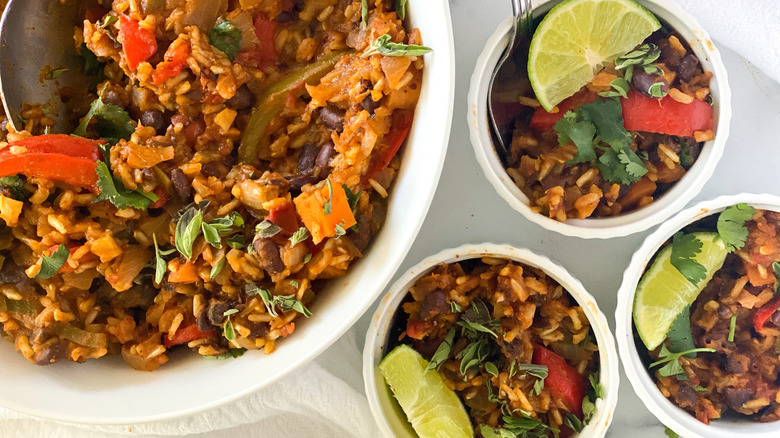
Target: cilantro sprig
111	122
226	37
384	46
685	247
731	225
112	190
51	264
670	361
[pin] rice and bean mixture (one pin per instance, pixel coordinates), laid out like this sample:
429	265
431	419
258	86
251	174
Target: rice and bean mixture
578	162
509	340
742	376
246	148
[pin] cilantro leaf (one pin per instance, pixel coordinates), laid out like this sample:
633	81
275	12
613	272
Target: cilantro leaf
112	121
581	132
384	46
443	351
607	116
51	264
686	159
112	190
226	37
679	335
731	225
493	432
684	250
634	166
670	360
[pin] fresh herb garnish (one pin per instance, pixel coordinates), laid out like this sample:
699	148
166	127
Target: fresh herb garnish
685	247
307	258
731	225
111	121
340	231
443	351
236	241
328	204
211	235
187	229
226	37
595	392
475	353
573	128
15	185
512	368
400	8
51	264
476	319
54	74
526	425
352	198
670	361
232	353
656	90
679	335
160	266
686	159
670	433
217	268
299	236
363	13
475	323
284	302
112	190
455	307
491	368
573	422
538	371
294	284
776	270
644	57
267	229
384	46
732	328
225	225
620	87
228	331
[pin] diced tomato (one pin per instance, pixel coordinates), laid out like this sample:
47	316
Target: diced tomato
763	314
186	334
417	329
265	30
162	194
562	379
138	44
544	121
175	61
285	218
402	123
287	329
666	115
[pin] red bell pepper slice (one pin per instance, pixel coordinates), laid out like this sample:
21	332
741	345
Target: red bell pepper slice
175	61
285	218
666	115
186	334
162	198
544	121
138	44
71	160
265	30
763	314
402	123
563	380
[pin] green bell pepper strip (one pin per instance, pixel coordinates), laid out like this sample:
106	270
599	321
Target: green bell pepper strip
272	101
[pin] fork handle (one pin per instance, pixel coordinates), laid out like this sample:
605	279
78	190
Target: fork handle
521	10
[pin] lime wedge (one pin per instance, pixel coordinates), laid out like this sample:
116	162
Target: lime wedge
434	410
576	39
663	292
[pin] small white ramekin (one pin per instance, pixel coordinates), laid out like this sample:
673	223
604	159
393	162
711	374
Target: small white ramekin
387	412
670	414
636	221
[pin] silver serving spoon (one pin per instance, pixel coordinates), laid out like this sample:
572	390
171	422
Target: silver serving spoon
38	63
510	78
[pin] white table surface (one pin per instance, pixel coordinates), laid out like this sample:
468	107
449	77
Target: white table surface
466	209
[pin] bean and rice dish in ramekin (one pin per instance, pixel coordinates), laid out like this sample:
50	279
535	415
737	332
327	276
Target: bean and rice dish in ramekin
509	340
233	156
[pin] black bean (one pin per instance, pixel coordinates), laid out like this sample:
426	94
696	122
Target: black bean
242	99
737	363
258	330
326	154
369	104
150	176
195	95
642	81
217	309
686	395
51	354
285	17
433	304
181	184
775	319
736	397
153	119
298	181
332	117
213	168
308	157
267	253
362	236
4	126
112	98
687	67
203	322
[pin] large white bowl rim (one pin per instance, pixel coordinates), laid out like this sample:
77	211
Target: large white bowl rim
386	411
107	391
636	221
670	414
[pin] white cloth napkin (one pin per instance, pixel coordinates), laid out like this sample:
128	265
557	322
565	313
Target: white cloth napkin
749	27
325	398
322	399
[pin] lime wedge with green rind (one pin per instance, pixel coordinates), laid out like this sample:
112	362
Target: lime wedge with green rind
663	292
577	38
434	410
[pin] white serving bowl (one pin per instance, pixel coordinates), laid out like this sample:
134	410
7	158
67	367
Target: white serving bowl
670	414
107	391
638	220
388	413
